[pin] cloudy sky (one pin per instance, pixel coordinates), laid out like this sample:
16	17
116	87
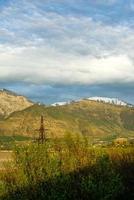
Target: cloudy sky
59	50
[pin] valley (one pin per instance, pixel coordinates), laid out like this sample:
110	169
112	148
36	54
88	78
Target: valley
83	138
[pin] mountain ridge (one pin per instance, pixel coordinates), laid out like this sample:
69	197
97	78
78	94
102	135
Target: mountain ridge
97	120
11	101
114	101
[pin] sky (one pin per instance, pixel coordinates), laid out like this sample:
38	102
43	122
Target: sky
62	50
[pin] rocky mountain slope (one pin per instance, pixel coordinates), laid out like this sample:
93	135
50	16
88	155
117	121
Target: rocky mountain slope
10	102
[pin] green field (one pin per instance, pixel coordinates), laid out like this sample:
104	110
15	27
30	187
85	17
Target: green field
8	142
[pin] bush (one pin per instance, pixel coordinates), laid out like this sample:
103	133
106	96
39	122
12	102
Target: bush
69	169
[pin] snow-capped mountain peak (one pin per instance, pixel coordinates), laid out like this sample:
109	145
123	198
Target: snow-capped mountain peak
59	103
114	101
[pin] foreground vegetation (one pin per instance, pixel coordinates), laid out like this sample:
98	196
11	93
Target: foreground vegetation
69	169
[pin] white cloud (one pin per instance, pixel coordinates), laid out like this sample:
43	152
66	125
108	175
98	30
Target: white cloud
46	47
43	66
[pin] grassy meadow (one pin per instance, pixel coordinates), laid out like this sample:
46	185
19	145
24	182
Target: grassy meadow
68	169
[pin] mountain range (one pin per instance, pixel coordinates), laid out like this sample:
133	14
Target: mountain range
99	118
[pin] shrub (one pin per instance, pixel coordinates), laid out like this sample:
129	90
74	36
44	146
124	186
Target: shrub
69	169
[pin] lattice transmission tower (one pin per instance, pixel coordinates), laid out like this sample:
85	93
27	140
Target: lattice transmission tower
42	131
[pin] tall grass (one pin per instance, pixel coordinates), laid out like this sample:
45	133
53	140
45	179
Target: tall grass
69	169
